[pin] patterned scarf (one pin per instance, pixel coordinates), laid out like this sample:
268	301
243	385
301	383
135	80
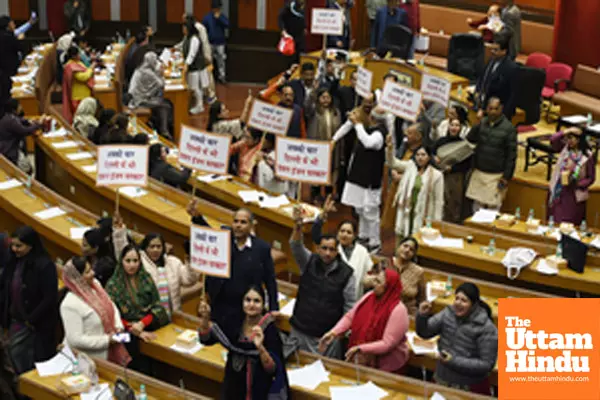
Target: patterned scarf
136	301
97	298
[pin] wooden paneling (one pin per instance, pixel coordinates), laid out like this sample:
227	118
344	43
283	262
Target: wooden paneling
19	10
130	10
101	10
247	14
273	8
201	8
175	9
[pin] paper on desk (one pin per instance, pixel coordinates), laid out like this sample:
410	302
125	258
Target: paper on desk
50	213
545	269
208	178
310	376
441	241
59	364
575	119
281	296
362	392
250	195
273	202
437	396
419	349
193	350
60	132
289	308
132	191
23	70
595	128
165	56
102	392
90	168
596	242
9	184
174	87
66	144
82	155
540	230
485	216
430	297
77	233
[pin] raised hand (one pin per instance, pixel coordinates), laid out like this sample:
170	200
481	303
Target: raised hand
425	308
258	336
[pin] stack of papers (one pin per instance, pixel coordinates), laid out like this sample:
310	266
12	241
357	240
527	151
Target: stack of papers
596	242
65	145
61	363
61	132
132	191
9	184
367	391
77	233
178	86
430	297
417	348
441	241
82	155
310	376
90	168
249	196
595	128
485	216
575	119
193	350
545	269
50	213
273	202
289	308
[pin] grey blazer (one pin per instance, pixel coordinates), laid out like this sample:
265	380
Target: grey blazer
511	16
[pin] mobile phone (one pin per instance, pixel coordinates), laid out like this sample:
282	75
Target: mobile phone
122	337
33	15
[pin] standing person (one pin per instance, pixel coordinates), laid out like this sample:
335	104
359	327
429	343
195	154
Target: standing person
372	7
378	323
498	79
387	15
207	72
468	343
194	63
430	116
13	130
133	291
29	300
363	186
266	178
78	16
251	264
420	194
77	83
351	252
89	316
297	127
455	168
304	85
10	60
458	112
344	40
574	173
323	119
219	122
249	150
255	367
412	276
495	140
292	22
511	16
326	284
97	248
347	100
216	24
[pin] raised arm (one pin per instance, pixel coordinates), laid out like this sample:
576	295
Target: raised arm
427	325
269	278
343	130
374	141
299	251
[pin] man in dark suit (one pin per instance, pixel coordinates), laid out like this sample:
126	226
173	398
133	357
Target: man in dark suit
11	48
305	84
498	78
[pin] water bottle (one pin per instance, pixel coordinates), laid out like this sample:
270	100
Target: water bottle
76	370
143	395
53	125
551	222
449	286
583	226
590	120
460	91
531	214
428	222
134	124
518	213
492	247
558	251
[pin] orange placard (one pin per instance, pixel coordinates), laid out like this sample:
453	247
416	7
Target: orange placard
548	349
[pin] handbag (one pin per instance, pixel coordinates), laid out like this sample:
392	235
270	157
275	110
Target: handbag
286	46
516	259
123	391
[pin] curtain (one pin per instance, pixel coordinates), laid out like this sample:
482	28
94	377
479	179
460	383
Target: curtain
577	32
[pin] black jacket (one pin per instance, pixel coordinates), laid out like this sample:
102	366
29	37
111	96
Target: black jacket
79	18
10	47
164	172
496	150
498	83
294	23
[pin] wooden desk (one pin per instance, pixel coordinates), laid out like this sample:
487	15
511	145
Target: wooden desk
47	388
162	209
205	369
473	261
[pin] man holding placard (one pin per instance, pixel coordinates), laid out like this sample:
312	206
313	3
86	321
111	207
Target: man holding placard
250	264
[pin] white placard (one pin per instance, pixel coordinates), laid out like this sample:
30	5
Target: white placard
364	82
303	160
204	151
120	165
210	251
270	118
401	101
435	89
327	21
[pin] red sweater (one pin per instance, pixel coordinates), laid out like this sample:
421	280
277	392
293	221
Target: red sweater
414	18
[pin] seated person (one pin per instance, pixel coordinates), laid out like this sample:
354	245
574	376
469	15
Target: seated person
414	289
326	284
133	291
147	87
117	133
89	316
219	122
160	169
104	124
378	323
13	130
255	365
468	343
78	82
489	25
85	121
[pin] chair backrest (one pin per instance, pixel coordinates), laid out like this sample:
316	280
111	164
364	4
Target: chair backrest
466	55
529	85
556	71
397	39
587	80
538	60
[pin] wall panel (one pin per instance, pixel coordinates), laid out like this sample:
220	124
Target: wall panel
19	9
130	10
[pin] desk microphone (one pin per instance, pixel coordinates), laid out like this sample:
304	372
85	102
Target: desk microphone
182	387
